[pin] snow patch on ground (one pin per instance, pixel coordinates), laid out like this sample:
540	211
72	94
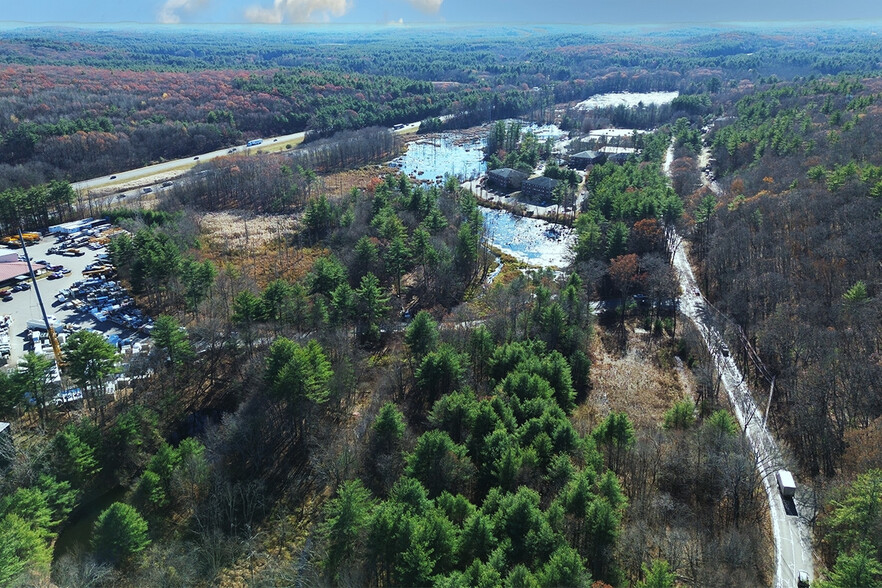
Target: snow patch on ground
606	133
627	99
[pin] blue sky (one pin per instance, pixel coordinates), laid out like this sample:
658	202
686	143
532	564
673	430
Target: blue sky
437	11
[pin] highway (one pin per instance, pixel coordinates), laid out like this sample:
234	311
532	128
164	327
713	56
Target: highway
791	532
145	176
183	165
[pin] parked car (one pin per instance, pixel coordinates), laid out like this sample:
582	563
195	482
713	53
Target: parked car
7	298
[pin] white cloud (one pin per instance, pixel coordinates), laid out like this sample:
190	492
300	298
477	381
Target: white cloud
428	6
297	11
168	14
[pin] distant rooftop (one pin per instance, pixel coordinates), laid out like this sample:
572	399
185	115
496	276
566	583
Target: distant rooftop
12	267
543	182
507	172
586	154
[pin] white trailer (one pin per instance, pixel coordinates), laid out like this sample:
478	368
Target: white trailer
40	324
786	484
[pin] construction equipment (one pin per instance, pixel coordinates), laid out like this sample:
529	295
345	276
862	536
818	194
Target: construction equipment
53	339
16	241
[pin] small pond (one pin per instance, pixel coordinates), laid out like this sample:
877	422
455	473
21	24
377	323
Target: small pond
433	158
530	240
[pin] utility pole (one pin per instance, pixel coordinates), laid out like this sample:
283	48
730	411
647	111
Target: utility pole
769	404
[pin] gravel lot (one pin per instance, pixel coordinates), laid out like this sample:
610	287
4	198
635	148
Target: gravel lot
24	306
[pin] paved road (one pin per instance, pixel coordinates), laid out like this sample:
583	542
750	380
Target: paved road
791	533
180	165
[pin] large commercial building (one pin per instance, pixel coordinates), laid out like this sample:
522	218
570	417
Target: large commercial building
540	189
506	178
12	267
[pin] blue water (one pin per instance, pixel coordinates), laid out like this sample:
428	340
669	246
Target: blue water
449	154
432	159
530	240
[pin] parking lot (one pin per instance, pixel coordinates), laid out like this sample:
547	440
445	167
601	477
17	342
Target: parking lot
24	305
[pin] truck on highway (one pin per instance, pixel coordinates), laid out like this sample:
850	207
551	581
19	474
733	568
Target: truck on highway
786	484
254	142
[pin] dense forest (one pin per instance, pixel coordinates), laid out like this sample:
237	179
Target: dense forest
786	254
335	394
76	104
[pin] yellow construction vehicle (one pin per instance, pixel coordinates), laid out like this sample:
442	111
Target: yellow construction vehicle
53	339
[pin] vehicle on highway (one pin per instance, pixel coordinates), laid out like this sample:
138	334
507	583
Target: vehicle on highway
802	579
724	349
167	184
197	157
112	177
254	142
146	190
231	150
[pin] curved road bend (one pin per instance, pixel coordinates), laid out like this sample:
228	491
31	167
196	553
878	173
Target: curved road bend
792	535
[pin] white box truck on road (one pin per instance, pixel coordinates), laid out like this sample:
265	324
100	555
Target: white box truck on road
786	484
